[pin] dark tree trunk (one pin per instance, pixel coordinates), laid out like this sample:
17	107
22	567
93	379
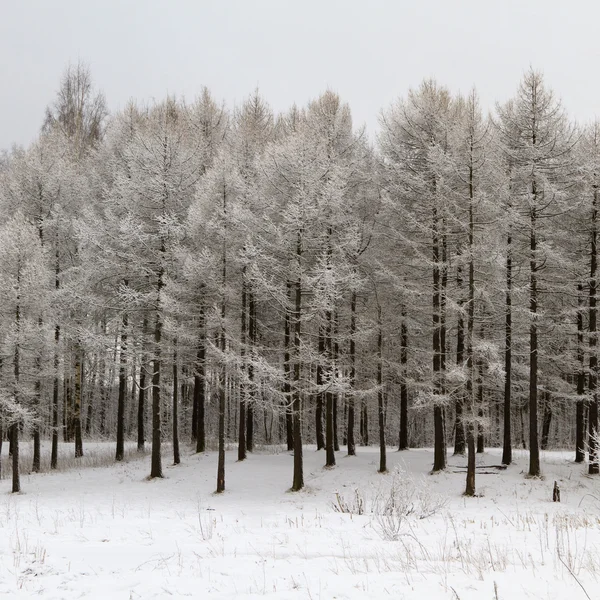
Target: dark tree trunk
287	387
14	429
580	407
364	424
222	401
523	441
176	455
77	402
200	384
104	387
546	421
14	442
352	359
141	410
534	448
55	399
480	438
243	391
459	427
319	409
336	443
35	466
156	458
334	362
298	478
594	465
223	366
252	333
120	453
443	324
403	443
470	486
132	418
55	383
345	421
380	405
507	440
67	397
329	444
439	452
89	413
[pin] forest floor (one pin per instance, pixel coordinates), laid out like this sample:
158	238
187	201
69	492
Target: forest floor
109	533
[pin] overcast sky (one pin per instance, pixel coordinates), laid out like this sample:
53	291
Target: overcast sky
369	52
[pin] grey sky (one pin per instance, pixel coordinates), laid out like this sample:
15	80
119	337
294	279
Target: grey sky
369	52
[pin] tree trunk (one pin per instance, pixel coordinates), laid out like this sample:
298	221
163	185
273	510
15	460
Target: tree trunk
67	397
120	453
55	384
580	407
54	451
507	441
141	434
14	429
223	366
403	443
334	361
443	327
470	486
176	456
77	401
439	452
319	409
298	478
380	406
594	466
480	438
364	423
329	445
200	384
35	466
287	387
14	442
534	448
243	391
156	458
459	427
352	359
252	331
546	421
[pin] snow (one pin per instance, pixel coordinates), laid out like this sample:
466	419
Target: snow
109	532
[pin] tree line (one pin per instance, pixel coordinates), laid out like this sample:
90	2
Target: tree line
185	272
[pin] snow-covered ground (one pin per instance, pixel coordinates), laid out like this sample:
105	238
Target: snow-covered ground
109	533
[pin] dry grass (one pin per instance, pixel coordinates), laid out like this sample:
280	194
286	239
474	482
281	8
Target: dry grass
95	454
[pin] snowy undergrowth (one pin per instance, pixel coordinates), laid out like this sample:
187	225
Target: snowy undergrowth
110	533
95	454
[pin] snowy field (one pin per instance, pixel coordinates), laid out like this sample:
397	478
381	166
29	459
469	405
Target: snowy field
109	533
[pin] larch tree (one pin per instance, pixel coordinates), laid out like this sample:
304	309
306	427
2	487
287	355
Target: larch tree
414	142
537	140
23	301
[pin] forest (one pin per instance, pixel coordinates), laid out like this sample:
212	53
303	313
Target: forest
191	275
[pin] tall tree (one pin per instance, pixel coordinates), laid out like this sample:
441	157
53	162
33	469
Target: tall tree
537	140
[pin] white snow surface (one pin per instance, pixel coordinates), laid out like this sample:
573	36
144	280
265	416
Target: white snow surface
110	533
